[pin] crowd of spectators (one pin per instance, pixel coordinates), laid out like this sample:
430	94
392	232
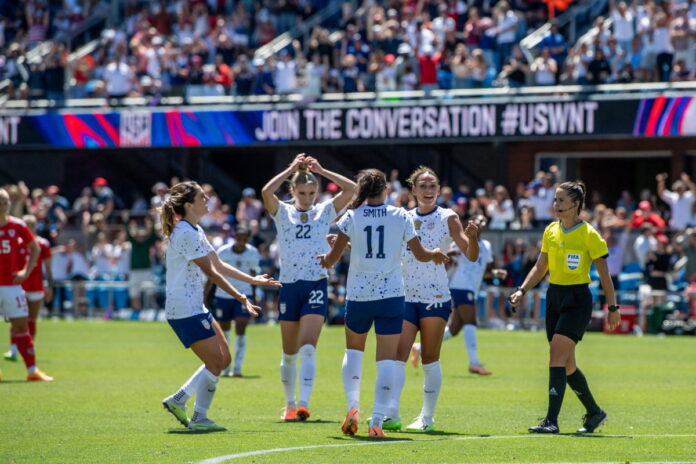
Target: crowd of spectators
201	48
99	237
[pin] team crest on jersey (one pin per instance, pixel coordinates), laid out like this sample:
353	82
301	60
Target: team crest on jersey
417	223
206	324
11	232
283	307
304	217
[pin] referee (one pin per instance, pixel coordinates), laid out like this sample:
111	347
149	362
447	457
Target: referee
569	247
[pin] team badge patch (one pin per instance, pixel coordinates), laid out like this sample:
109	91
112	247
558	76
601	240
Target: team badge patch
206	324
572	261
304	217
417	223
283	307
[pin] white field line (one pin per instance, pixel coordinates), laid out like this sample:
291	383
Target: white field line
221	459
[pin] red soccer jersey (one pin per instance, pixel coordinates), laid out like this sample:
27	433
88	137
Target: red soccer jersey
34	283
11	258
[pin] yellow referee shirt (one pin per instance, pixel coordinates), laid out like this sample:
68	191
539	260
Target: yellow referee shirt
571	252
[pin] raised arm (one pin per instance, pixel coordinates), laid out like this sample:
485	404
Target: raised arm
661	179
348	187
466	239
270	200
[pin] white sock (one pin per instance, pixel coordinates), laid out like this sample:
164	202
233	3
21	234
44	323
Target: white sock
288	372
448	334
432	381
352	372
189	388
308	368
204	394
470	342
384	389
240	350
399	381
13	349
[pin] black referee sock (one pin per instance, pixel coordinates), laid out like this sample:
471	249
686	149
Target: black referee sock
578	383
557	385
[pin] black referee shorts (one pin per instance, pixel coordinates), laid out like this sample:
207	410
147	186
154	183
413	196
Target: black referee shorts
568	311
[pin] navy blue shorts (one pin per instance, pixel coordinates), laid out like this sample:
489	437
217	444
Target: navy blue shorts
463	297
414	312
301	298
227	309
388	315
194	328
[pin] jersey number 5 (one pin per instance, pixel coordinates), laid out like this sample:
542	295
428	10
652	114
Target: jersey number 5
380	242
6	247
303	231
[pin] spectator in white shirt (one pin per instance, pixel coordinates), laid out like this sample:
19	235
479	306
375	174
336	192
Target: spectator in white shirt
119	78
285	74
500	210
544	68
624	30
679	199
541	199
505	31
644	244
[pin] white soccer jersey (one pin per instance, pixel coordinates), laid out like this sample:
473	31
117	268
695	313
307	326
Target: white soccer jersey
377	235
427	282
246	261
301	237
469	275
184	277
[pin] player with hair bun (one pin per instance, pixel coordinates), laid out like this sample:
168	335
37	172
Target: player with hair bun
375	293
303	301
569	247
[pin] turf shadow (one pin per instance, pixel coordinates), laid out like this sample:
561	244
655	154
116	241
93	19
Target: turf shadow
345	438
318	421
194	432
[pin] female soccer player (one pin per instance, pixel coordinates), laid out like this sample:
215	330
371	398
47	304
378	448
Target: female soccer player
375	292
464	285
245	258
14	269
188	253
428	301
302	227
569	247
33	285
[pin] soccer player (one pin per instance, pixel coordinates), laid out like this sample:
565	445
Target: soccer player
428	302
33	285
569	247
188	253
464	285
244	257
377	233
302	304
14	269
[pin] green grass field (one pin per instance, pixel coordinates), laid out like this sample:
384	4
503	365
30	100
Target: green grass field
111	376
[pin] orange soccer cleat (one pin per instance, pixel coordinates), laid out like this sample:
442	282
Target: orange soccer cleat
39	376
302	413
289	414
376	431
350	424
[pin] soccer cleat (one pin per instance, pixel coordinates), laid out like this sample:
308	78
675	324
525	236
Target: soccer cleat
206	425
226	373
389	423
39	376
302	413
177	410
350	424
376	431
237	375
545	426
415	354
419	425
10	356
590	422
480	370
289	414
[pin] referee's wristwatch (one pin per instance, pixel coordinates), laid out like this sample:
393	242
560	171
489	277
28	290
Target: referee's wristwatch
613	308
520	289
